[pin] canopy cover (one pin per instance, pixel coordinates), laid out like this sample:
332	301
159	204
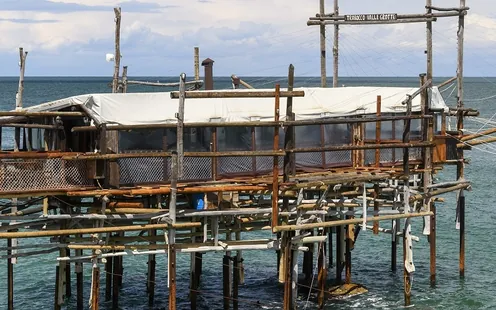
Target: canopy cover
159	108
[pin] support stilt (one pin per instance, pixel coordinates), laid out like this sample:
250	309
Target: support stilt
150	283
108	278
432	244
308	261
225	281
116	274
79	280
235	282
348	242
10	277
56	305
172	277
339	254
95	287
322	277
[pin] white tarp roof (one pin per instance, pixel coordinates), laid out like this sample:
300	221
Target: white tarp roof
158	108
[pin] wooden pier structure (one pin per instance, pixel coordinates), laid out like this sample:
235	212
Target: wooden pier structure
96	190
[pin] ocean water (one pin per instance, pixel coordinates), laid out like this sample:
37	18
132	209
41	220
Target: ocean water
34	277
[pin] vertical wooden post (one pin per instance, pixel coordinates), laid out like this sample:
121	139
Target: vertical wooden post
275	168
225	281
10	277
172	233
68	291
323	73
335	50
322	275
117	57
394	244
460	165
288	272
56	304
339	254
124	79
22	66
289	143
116	274
406	275
95	287
235	281
180	124
307	267
197	63
150	283
79	279
432	243
108	278
378	132
348	254
330	252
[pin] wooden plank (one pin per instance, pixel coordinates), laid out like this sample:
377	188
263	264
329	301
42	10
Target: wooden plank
238	94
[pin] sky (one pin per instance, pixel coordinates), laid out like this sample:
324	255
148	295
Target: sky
243	37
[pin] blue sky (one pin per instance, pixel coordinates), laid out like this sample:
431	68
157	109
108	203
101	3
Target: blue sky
245	37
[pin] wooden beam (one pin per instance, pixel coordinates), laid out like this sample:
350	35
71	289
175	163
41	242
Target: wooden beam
348	221
117	56
238	94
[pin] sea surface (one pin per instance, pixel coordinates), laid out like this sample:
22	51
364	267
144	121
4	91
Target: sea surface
34	276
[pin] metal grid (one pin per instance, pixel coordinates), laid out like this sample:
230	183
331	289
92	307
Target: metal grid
144	170
234	165
266	164
309	160
338	158
42	174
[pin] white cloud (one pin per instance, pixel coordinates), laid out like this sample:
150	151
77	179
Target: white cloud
252	34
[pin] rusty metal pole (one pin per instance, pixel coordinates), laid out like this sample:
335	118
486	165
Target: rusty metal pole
95	287
209	73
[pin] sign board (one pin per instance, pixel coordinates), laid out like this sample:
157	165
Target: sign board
370	17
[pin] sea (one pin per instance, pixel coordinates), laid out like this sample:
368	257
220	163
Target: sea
34	277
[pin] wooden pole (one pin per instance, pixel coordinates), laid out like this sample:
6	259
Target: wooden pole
288	272
68	291
378	132
10	277
323	73
56	305
95	287
225	281
322	276
197	63
289	143
394	244
335	52
275	168
108	278
124	79
22	66
432	243
307	267
150	285
339	254
79	280
172	232
180	125
235	281
460	164
406	275
348	254
116	273
117	57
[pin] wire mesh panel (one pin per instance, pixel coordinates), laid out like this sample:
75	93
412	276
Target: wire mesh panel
197	168
42	174
338	158
309	160
234	166
265	164
144	170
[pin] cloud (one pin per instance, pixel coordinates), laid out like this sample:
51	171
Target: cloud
66	7
28	21
256	37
